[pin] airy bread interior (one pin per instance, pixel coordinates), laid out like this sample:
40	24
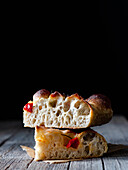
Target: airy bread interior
51	144
56	110
59	112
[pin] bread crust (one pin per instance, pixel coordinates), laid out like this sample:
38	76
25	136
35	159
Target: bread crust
103	102
52	144
101	109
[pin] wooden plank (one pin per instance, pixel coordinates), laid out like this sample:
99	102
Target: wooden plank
88	164
11	155
23	136
115	132
118	160
14	158
42	165
122	124
115	162
7	129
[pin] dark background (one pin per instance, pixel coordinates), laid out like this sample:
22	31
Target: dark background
77	48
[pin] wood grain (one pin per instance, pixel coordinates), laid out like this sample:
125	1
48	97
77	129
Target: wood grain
12	135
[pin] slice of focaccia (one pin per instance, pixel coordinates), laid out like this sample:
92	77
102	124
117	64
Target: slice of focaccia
67	144
56	110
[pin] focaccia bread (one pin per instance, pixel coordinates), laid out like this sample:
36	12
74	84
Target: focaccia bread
56	110
67	144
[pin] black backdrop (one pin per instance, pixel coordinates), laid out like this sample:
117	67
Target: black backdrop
78	51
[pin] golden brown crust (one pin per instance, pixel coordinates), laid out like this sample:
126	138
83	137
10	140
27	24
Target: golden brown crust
75	96
41	93
55	94
102	101
101	109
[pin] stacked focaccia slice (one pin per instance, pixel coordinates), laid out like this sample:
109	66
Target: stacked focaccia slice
48	112
68	144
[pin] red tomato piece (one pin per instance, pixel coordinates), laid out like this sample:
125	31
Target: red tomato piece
73	143
28	107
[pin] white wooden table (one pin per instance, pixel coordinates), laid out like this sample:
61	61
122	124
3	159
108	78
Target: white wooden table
12	135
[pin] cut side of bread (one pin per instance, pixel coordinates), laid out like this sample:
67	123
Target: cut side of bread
68	144
56	110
